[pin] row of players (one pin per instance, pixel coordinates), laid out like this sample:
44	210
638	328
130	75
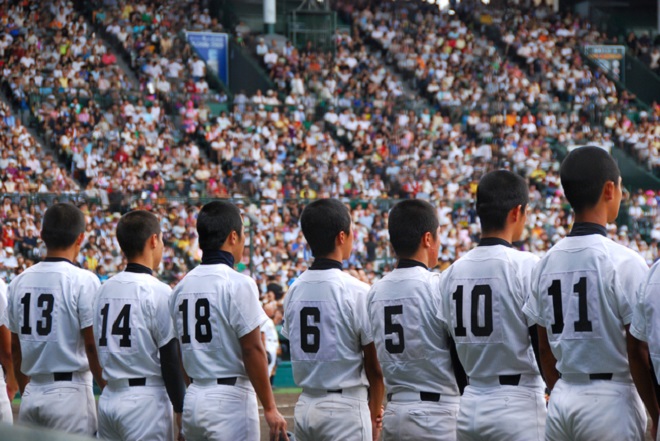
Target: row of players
414	329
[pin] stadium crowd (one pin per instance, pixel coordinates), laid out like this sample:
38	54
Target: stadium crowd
335	127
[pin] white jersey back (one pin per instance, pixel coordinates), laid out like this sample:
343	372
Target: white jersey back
49	304
326	322
646	319
412	345
131	322
583	293
483	294
213	307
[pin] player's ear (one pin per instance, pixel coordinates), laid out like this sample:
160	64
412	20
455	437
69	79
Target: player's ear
608	190
80	239
340	239
153	241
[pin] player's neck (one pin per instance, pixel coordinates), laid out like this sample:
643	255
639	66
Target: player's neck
143	260
506	235
69	254
420	256
594	216
336	255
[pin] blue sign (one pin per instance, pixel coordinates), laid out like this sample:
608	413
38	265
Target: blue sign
213	48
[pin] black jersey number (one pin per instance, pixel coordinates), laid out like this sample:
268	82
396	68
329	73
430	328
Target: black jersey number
121	326
203	332
477	330
310	335
395	329
46	303
583	324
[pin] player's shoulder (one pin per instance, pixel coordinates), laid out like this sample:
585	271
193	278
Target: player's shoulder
353	283
521	258
85	276
241	280
621	256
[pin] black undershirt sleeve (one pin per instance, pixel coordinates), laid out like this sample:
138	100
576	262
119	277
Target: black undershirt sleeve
459	372
534	337
172	374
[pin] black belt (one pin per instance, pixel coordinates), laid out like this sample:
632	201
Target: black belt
510	380
229	381
137	382
607	376
423	396
63	376
335	391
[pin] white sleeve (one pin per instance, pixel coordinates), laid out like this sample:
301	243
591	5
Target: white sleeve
162	325
438	300
285	306
533	304
11	315
246	312
641	324
89	287
628	278
525	270
361	315
3	303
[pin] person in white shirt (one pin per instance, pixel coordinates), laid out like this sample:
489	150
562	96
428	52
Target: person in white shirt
137	346
7	378
50	317
271	340
483	294
217	317
333	353
414	348
582	296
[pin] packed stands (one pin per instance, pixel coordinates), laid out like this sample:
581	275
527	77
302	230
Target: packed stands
351	125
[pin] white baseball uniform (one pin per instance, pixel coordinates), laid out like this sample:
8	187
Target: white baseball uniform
326	322
49	304
6	415
272	343
646	319
213	307
583	293
482	299
413	350
131	322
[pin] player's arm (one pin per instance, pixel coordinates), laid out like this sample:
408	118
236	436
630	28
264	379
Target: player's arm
256	366
170	367
640	369
548	360
93	356
376	385
6	362
17	358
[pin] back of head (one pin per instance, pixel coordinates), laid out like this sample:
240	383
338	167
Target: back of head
321	222
133	231
498	193
409	220
584	172
215	222
62	225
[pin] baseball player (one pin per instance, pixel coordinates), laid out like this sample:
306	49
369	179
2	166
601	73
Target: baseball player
413	346
270	339
645	328
332	348
482	296
136	342
7	378
582	297
218	316
50	317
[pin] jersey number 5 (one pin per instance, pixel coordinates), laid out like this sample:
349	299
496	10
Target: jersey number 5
394	328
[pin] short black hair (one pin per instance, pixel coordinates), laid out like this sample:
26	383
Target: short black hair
409	221
584	172
215	222
61	226
321	222
134	230
498	193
